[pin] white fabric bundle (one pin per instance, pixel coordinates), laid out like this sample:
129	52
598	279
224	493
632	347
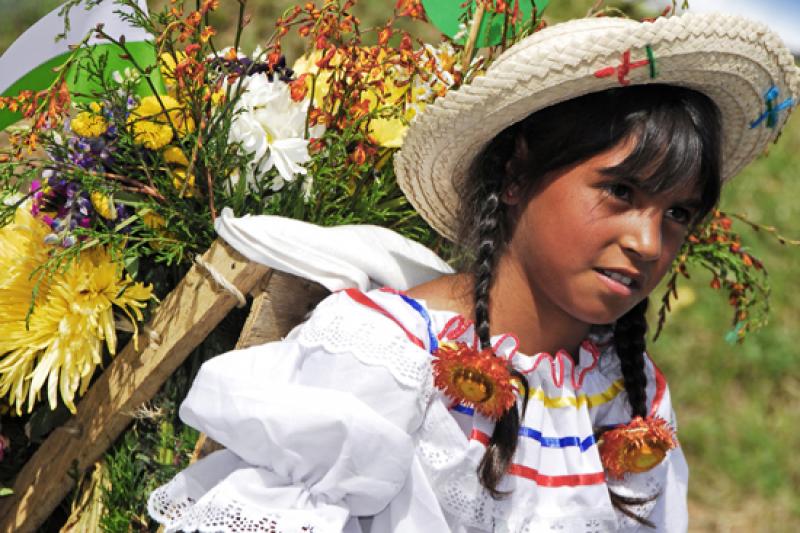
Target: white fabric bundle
336	257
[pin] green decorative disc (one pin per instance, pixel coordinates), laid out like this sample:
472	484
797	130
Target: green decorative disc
448	15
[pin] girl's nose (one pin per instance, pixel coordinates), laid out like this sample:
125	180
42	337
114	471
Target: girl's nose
643	237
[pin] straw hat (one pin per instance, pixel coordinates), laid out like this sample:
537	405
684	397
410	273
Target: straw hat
741	65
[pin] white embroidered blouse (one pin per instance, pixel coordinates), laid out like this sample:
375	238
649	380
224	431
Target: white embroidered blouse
339	428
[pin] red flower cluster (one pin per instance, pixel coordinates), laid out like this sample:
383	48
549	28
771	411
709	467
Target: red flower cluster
410	8
718	248
473	377
357	77
637	446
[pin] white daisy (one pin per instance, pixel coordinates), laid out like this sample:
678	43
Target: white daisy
270	126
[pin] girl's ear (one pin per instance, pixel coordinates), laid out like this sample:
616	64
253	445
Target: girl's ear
512	194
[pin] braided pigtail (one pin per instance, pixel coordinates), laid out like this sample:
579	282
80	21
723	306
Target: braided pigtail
629	340
503	442
484	264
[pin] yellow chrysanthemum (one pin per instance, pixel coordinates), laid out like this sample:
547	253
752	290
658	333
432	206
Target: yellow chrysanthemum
152	135
104	205
90	123
60	343
168	64
153	124
152	219
182	183
175	156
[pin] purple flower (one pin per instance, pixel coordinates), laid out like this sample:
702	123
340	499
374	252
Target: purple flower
5	446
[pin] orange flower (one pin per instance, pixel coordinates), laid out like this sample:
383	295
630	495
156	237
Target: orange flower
637	446
410	8
359	155
207	33
209	5
384	35
473	377
298	88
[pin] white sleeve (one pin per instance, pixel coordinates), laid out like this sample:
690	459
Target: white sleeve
316	428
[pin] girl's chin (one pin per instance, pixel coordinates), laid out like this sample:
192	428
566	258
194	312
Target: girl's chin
605	314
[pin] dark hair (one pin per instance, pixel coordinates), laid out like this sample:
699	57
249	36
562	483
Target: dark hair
677	132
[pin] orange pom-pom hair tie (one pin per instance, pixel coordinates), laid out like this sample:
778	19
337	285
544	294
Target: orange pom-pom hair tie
474	377
637	446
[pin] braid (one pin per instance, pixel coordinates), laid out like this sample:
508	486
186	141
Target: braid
484	263
503	441
629	339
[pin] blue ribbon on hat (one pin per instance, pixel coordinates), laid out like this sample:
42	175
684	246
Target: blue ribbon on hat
772	112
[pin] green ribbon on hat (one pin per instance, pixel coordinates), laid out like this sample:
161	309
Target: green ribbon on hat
447	16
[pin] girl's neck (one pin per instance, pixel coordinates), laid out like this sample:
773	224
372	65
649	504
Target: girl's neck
540	325
513	308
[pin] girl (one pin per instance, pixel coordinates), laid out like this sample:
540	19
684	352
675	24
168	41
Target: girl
517	395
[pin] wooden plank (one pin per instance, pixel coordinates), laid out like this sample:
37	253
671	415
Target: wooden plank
283	302
182	321
280	303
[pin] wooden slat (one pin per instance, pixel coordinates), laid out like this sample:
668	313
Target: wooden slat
182	321
279	304
283	302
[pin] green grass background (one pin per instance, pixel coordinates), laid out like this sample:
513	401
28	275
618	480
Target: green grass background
738	406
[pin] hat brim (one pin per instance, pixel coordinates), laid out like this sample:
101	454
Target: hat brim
734	61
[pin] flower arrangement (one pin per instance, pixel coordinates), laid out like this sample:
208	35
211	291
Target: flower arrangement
132	174
108	193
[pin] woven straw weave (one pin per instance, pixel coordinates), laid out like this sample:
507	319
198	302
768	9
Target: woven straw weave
733	60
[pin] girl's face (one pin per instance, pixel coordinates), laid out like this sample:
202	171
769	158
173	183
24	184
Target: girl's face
593	246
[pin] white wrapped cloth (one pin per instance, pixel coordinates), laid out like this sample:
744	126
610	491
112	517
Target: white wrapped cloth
339	428
337	257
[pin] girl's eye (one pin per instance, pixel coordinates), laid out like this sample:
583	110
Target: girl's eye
681	215
621	191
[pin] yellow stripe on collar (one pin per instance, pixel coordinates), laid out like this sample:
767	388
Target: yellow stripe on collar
590	400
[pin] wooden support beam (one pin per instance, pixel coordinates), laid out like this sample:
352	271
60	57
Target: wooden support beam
182	321
279	304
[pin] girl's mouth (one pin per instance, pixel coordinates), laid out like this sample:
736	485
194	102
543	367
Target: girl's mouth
618	282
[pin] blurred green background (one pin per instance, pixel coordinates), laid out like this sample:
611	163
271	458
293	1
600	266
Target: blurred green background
738	406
